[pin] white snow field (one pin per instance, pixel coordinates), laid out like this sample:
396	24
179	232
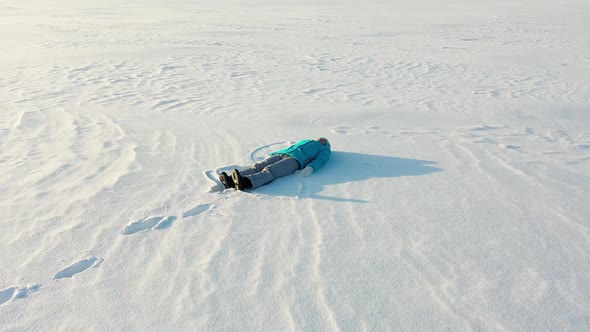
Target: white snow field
456	198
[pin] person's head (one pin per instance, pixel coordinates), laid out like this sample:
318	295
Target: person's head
323	140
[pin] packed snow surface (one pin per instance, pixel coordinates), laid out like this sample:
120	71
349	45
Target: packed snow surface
456	198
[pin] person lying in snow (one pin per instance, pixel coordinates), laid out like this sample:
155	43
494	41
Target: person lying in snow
302	158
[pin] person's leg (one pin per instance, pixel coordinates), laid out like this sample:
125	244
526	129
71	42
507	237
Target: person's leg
259	166
287	165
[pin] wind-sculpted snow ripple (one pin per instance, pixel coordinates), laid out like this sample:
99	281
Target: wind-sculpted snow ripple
366	77
73	155
57	161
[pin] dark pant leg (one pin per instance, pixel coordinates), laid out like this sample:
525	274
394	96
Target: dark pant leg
287	165
259	166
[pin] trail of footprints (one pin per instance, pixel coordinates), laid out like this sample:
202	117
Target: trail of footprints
13	293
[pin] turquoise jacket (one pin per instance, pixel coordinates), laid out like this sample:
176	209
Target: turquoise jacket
308	153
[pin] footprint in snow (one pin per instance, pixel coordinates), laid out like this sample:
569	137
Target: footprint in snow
148	223
14	293
160	222
78	267
197	210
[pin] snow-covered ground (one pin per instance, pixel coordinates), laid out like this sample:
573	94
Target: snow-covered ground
456	197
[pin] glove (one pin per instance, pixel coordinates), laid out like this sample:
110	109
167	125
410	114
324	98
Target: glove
305	172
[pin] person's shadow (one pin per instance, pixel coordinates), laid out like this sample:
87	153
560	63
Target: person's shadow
344	167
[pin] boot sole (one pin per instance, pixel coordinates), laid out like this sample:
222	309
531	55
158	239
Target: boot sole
224	179
235	175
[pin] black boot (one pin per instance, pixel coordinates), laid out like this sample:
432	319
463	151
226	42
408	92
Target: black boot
227	181
240	182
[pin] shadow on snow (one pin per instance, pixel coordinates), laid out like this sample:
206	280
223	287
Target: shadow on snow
345	167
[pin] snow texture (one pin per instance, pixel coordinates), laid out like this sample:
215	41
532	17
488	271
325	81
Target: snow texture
456	197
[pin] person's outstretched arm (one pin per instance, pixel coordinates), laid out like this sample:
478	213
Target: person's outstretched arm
320	159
